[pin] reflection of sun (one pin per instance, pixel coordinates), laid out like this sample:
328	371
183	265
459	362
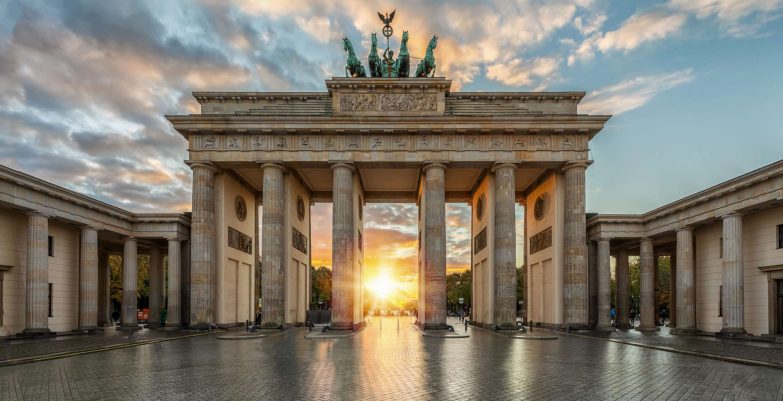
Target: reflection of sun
382	286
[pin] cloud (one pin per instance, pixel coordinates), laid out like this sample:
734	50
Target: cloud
518	72
632	93
739	17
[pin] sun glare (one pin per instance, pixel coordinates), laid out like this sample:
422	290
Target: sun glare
382	286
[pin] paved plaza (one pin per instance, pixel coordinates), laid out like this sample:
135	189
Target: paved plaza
384	363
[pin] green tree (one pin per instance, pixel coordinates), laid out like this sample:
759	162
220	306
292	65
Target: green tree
321	285
142	279
459	285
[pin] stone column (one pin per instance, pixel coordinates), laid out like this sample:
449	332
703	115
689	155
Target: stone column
647	286
202	229
342	246
156	287
733	276
592	281
435	247
686	291
104	282
88	279
673	289
504	243
575	247
272	247
184	315
604	287
623	290
37	275
130	296
174	275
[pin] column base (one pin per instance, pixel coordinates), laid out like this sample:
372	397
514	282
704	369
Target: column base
89	329
506	326
685	331
574	326
34	333
623	326
341	326
434	326
129	327
606	328
732	331
648	329
155	325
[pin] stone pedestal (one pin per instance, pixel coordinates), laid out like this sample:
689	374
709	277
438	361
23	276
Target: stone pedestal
604	289
173	319
623	291
129	291
342	247
686	291
203	256
575	247
435	247
88	279
504	246
647	286
733	276
156	288
272	247
37	276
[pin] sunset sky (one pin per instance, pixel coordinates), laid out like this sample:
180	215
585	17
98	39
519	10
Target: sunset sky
695	87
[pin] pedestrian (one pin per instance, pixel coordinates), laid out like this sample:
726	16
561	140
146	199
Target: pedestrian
633	316
612	314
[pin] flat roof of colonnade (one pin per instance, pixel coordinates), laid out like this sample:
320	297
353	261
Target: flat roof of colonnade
389	128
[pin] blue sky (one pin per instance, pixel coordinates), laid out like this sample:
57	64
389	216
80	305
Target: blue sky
695	86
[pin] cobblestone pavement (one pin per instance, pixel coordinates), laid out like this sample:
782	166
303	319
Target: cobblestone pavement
388	364
25	348
703	344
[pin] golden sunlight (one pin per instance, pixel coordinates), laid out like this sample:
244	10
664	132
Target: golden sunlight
382	286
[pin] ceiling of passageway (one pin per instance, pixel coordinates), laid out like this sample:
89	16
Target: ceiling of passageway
390	183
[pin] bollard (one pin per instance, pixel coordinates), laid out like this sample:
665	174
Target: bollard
398	323
531	326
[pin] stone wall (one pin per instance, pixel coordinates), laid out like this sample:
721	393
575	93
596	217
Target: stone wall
483	260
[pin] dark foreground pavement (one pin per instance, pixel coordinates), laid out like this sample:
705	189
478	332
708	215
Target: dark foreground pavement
388	364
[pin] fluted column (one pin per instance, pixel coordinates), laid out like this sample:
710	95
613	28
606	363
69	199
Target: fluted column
156	287
129	292
623	290
174	275
647	286
435	247
272	247
592	281
686	291
104	292
604	288
342	246
185	284
575	243
203	256
733	276
37	275
505	246
88	279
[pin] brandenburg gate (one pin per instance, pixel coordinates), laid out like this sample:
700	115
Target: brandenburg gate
381	139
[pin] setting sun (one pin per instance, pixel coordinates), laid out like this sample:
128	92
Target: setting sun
382	286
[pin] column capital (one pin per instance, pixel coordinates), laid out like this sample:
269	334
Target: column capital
173	239
199	164
441	165
347	165
266	165
604	240
730	215
583	164
683	228
503	165
87	227
645	239
37	213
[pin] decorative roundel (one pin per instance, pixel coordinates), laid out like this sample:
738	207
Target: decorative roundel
300	208
541	206
361	207
240	207
480	206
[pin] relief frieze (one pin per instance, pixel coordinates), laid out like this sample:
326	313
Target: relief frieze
392	142
404	102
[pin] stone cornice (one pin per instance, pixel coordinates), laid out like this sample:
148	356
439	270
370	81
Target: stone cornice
89	204
388	84
255	97
679	207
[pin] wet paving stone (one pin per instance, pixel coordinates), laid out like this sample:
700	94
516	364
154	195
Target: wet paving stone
386	363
